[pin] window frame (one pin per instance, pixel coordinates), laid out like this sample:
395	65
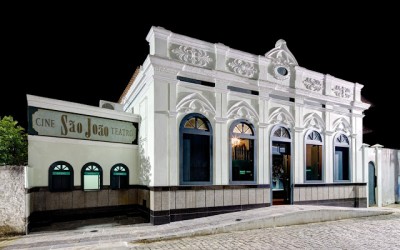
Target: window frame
243	136
182	131
50	179
343	145
83	174
314	142
111	175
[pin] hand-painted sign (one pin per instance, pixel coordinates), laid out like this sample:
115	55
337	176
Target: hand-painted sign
68	125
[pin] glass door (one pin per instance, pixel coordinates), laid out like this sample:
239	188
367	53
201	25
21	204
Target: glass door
281	170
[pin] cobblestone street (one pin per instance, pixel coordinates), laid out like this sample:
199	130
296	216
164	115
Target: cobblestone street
376	232
381	230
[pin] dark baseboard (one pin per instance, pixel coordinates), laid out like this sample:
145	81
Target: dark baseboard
45	218
351	202
335	184
164	217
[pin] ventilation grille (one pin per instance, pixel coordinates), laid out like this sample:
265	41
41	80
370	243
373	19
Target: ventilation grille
245	91
111	105
195	81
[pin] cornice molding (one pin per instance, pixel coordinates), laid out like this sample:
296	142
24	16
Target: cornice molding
171	67
298	129
72	107
221	120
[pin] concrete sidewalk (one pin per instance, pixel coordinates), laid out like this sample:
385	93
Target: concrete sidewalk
112	236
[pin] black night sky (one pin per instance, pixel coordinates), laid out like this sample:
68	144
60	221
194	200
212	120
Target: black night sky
87	53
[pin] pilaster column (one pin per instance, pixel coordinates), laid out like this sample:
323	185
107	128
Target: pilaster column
298	156
262	154
298	142
173	149
221	140
328	156
353	156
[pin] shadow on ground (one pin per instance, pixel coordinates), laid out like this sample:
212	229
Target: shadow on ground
95	223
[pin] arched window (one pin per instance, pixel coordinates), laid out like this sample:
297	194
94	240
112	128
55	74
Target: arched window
119	176
196	147
281	134
243	167
61	177
313	156
341	170
92	176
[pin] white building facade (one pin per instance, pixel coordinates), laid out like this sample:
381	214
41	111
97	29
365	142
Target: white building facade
382	172
221	130
81	161
225	130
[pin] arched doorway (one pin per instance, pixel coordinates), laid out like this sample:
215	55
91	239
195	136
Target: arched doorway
371	183
196	148
281	180
341	168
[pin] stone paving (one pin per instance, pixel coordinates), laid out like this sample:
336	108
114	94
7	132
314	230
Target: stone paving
235	230
376	232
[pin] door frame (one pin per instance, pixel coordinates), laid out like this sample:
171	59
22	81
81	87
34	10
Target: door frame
372	164
289	140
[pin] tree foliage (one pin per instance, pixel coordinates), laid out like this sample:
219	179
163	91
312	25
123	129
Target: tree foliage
13	142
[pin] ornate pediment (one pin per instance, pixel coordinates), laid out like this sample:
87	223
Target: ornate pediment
281	54
341	124
314	121
243	110
195	102
281	116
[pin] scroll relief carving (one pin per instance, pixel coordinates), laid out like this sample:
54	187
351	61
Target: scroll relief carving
341	91
242	67
191	55
312	84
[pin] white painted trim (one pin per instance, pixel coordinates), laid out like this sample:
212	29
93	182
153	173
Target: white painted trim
32	138
54	104
309	72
